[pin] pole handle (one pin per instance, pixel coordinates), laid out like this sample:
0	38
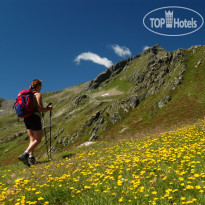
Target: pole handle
49	104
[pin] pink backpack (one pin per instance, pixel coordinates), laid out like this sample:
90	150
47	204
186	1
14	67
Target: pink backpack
24	105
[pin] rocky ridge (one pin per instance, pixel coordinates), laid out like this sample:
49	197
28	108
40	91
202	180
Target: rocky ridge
156	74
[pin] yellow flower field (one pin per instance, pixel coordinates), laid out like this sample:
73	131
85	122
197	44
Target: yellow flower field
165	169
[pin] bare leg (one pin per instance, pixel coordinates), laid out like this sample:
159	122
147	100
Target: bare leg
35	139
32	139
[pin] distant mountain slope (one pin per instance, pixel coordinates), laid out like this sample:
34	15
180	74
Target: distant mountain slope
6	107
152	90
1	100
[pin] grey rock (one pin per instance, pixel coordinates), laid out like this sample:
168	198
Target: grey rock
154	49
176	82
79	99
124	106
151	63
94	138
164	101
198	64
115	118
93	119
133	101
99	79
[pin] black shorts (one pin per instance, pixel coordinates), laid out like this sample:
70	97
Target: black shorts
33	122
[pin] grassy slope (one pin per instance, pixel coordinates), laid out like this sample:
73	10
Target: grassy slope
187	105
164	169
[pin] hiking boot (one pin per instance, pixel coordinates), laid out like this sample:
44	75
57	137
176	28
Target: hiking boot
24	158
31	160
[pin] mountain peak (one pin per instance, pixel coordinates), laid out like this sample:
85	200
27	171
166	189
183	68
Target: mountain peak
154	49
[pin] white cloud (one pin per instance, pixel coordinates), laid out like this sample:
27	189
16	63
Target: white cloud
94	58
145	48
122	51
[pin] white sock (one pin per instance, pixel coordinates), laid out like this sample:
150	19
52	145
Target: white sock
26	152
30	156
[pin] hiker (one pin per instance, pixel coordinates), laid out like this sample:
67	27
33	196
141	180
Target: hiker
33	124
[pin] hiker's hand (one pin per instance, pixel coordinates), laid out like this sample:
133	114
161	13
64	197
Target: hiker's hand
50	107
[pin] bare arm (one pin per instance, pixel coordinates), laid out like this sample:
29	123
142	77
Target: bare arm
40	104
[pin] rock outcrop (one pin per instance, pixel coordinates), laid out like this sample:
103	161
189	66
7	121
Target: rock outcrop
112	71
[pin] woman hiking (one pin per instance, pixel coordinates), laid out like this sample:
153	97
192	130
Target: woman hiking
33	124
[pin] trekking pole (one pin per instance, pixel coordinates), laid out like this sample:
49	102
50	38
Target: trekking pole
44	129
50	131
50	127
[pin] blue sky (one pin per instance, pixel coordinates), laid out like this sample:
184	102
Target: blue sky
66	42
